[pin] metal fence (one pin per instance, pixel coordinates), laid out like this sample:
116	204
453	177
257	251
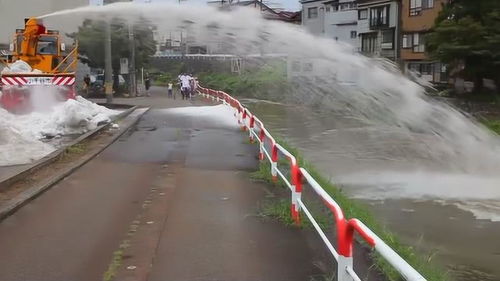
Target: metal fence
293	178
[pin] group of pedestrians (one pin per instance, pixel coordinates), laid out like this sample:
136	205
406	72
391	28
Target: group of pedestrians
187	84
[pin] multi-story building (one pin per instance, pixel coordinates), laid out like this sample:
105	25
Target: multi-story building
417	18
378	28
335	19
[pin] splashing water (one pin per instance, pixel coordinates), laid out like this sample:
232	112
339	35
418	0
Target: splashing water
373	91
381	96
377	93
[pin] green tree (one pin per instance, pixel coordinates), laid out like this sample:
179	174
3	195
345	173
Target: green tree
91	37
467	37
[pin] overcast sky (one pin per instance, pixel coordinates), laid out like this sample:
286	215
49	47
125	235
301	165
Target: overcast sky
291	5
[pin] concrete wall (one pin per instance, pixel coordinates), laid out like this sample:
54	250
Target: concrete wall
13	13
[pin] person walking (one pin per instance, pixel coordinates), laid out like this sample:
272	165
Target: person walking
170	90
86	84
185	88
147	84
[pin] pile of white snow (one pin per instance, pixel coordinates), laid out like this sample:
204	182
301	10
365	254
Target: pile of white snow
20	66
21	135
16	148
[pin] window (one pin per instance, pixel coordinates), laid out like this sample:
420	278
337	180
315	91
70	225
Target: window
418	43
415	7
363	14
354	34
368	42
388	39
328	8
312	13
379	16
407	41
427	4
426	68
47	45
421	68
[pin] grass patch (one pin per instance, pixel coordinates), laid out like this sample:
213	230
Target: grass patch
493	125
352	209
76	148
262	82
116	262
279	209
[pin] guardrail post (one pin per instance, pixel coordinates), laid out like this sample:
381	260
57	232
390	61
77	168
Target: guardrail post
240	114
244	118
251	130
345	237
262	137
342	264
274	162
296	192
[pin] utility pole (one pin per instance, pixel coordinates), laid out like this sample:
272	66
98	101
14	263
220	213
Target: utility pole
108	68
132	74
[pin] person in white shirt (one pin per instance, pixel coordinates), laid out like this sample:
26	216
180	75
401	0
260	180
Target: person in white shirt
185	87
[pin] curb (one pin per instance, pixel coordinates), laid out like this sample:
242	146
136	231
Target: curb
28	195
55	155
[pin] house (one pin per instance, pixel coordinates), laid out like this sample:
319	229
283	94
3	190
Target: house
335	19
417	18
378	28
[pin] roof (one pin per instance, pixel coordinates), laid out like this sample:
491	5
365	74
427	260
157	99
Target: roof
273	14
374	2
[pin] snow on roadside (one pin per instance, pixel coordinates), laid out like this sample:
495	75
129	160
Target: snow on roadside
21	135
220	115
18	149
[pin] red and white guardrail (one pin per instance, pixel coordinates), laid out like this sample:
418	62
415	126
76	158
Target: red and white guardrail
345	228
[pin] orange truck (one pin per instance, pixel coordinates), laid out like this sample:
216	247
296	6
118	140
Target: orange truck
45	62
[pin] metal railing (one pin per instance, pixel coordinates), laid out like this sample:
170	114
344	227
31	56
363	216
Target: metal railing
345	228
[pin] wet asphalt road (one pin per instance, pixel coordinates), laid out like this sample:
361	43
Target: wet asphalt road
210	230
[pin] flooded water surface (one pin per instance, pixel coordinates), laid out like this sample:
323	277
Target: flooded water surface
421	196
